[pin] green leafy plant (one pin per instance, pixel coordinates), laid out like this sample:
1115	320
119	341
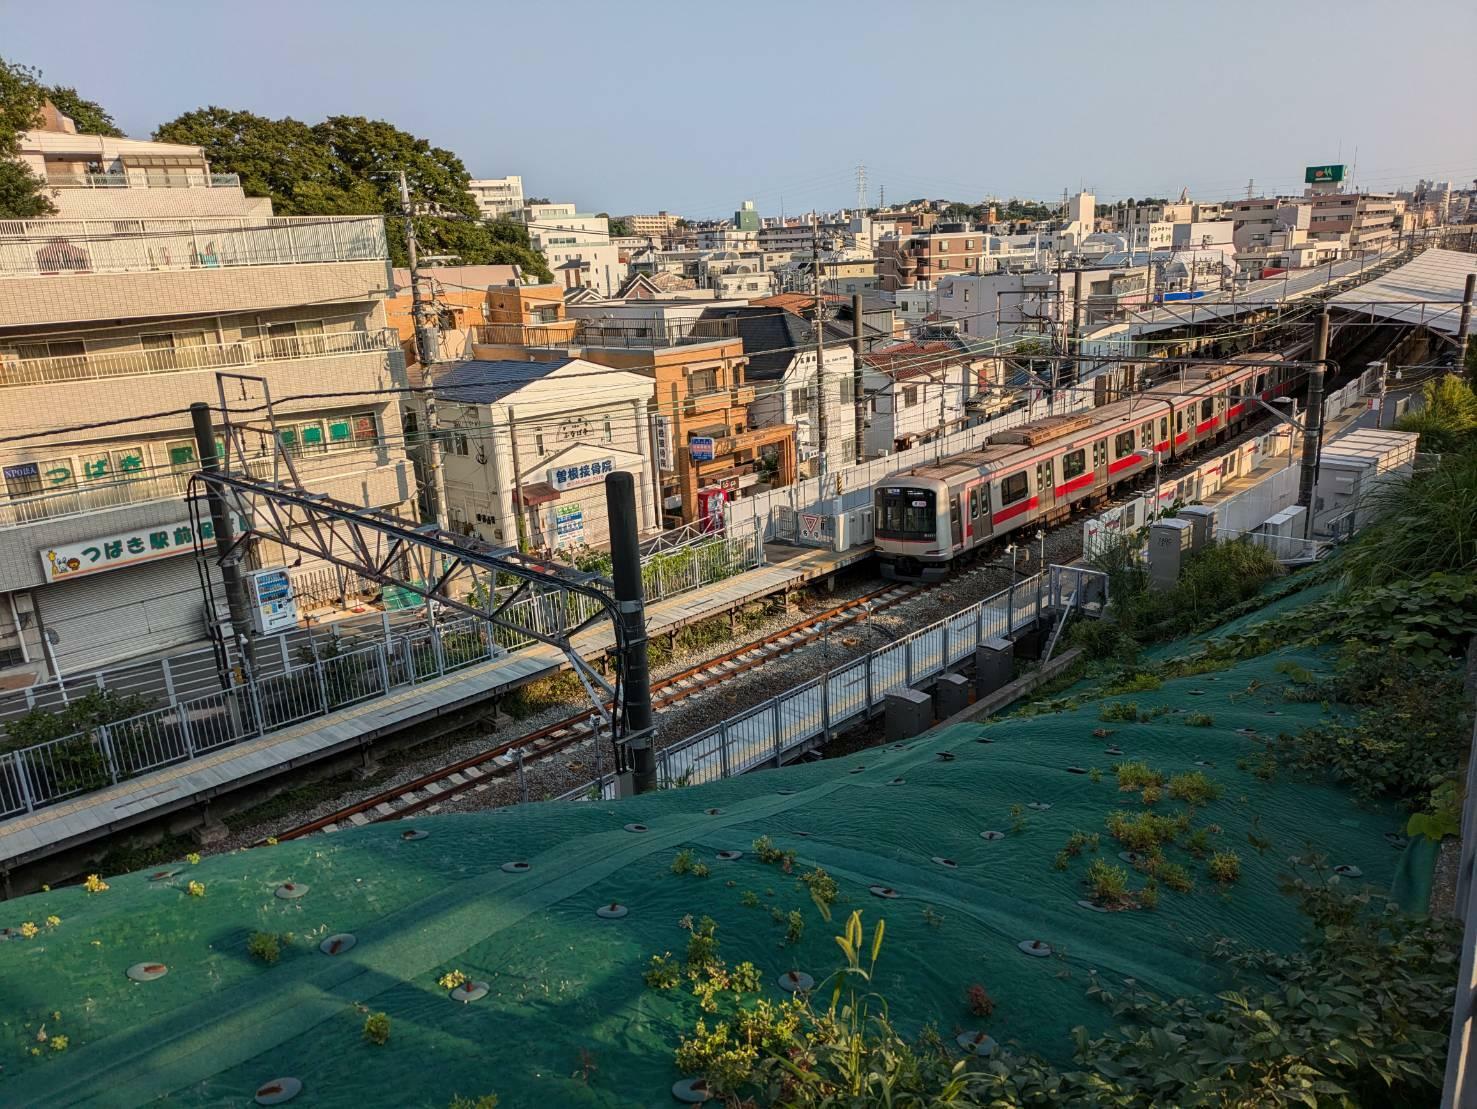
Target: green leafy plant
979	1001
1443	817
749	899
702	944
662	972
1135	776
767	852
1224	867
794	927
486	1101
1108	885
1121	711
823	890
1199	720
1193	787
377	1028
682	863
1017	819
264	946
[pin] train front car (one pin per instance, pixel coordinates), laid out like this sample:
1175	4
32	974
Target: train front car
910	528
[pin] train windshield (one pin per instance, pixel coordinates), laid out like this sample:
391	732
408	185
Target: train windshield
905	513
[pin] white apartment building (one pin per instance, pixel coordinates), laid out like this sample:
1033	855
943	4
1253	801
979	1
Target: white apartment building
576	245
529	445
126	309
915	392
498	197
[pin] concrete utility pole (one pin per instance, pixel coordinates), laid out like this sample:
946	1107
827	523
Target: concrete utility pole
1313	424
857	373
625	572
820	344
427	342
1464	327
230	560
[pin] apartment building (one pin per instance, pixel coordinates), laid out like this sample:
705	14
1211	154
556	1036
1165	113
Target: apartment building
528	445
1368	220
123	311
652	227
498	197
915	392
576	245
922	258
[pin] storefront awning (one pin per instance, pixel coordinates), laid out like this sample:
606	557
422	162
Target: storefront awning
540	492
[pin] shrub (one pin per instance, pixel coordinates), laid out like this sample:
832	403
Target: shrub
702	945
1193	787
196	889
377	1028
1199	720
486	1101
1224	867
1134	776
1139	682
1143	832
1123	711
1173	875
451	980
749	899
767	852
264	946
682	864
794	927
823	890
1108	884
662	972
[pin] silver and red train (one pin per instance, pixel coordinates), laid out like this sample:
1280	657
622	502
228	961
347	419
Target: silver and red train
928	516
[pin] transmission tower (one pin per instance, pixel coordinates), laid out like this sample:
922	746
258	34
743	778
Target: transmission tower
1250	187
861	188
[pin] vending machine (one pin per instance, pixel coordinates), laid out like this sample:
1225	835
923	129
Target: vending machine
273	606
711	508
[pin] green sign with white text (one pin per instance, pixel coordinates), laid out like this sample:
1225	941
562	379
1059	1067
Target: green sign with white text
1323	175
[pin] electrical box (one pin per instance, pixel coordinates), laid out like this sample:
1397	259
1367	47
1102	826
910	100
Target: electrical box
273	606
1170	544
1202	524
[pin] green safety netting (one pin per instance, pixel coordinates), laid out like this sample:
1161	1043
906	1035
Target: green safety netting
568	1020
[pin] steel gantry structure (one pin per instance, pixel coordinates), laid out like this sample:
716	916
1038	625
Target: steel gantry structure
498	585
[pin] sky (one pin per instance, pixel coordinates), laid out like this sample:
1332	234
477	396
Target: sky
694	106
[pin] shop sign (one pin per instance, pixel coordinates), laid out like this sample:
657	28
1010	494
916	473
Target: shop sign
701	447
580	473
569	524
113	552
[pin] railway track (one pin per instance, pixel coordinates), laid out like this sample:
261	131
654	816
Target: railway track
480	770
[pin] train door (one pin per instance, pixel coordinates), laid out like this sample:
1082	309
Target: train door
1045	486
1100	462
956	522
979	512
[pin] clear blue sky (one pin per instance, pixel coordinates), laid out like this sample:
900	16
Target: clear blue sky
692	106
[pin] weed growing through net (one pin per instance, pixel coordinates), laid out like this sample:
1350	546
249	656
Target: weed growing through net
1193	787
377	1028
1224	867
1123	711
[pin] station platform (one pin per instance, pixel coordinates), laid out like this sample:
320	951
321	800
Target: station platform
187	785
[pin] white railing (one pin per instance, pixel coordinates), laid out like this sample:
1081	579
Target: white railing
386	653
62	247
145	179
212	356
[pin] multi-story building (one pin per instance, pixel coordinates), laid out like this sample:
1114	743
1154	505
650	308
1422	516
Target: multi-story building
1366	219
111	324
576	245
922	258
527	445
652	227
917	391
498	197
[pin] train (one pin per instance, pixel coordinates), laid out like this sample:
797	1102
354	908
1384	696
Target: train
928	517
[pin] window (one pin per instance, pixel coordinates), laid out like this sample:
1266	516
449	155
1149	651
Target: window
702	381
1014	488
538	442
944	245
609	432
848	389
974	503
1207	408
1146	434
1123	445
1163	428
302	438
910	396
357	430
1074	464
966	296
905	514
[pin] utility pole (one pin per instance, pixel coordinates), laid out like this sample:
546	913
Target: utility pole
820	345
426	343
858	370
225	542
1313	424
1464	326
625	572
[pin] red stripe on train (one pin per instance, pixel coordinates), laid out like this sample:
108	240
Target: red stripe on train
1014	510
1201	429
1162	447
1075	484
1234	411
1123	463
1182	437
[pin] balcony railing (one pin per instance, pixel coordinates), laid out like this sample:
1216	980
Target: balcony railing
59	247
554	334
145	179
249	352
625	332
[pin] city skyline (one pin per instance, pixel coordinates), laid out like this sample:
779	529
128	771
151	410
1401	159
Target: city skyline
1106	99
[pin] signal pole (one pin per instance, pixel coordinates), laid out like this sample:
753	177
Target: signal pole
820	343
426	343
1313	425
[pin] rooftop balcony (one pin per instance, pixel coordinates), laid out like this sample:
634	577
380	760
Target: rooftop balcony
144	179
60	247
214	356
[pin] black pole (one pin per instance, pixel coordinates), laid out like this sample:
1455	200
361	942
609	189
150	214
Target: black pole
1313	424
625	564
1464	328
220	523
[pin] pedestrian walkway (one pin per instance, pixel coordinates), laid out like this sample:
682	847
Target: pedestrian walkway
78	820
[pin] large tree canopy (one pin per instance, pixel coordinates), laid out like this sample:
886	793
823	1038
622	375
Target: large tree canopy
21	98
90	117
350	165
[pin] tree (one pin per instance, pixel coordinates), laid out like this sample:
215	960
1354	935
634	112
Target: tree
512	247
350	165
619	227
537	200
22	193
90	117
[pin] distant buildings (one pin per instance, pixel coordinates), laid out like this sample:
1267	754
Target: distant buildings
576	246
498	197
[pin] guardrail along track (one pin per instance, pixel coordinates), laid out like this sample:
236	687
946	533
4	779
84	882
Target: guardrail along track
448	781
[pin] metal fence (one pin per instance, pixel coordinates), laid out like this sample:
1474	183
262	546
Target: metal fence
775	731
347	673
49	247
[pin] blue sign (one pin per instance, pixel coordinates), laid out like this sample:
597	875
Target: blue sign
701	447
580	473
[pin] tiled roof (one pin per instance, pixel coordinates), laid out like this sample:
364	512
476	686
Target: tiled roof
483	382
